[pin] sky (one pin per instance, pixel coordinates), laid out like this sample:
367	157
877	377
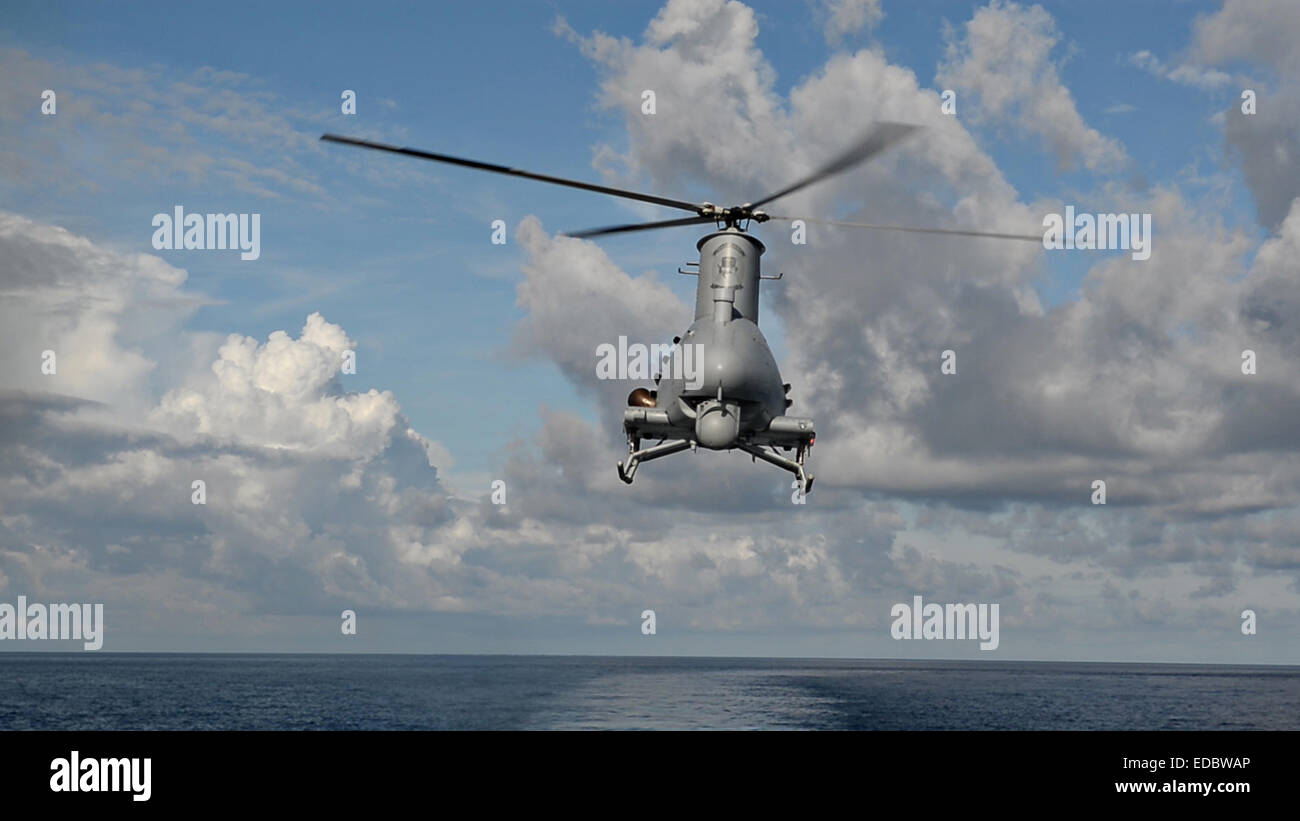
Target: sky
475	363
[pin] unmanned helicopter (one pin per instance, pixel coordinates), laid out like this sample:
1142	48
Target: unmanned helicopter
740	401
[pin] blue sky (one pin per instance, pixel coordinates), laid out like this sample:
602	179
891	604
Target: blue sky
1075	365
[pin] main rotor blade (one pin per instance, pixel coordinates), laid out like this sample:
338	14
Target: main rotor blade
910	229
882	136
639	226
501	169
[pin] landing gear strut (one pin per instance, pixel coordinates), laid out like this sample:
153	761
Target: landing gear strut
795	465
636	457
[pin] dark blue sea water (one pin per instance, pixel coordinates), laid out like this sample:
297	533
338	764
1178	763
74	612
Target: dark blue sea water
392	692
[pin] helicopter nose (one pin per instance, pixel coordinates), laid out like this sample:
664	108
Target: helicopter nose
717	426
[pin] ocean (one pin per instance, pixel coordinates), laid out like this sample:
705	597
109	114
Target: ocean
126	691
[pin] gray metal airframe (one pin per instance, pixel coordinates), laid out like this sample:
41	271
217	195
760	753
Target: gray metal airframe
739	401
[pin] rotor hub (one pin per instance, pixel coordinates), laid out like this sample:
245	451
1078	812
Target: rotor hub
735	216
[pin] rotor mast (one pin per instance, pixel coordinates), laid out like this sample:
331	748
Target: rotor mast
729	274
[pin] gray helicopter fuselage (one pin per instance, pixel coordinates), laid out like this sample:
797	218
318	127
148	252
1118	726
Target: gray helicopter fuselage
734	396
734	359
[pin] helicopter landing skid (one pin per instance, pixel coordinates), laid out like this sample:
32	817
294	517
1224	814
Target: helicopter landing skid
796	467
636	457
